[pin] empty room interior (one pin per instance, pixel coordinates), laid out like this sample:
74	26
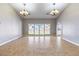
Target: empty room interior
39	29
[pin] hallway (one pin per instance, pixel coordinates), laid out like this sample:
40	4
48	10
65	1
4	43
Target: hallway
28	46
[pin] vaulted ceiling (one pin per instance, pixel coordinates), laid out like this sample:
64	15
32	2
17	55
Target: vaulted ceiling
39	10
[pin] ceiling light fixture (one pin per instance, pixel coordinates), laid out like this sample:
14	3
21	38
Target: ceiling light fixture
55	11
24	12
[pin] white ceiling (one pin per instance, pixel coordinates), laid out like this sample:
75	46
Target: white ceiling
39	10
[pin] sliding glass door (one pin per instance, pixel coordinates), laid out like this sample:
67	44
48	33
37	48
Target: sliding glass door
31	29
38	29
47	28
41	32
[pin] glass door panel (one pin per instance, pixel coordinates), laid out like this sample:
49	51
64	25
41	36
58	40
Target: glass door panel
30	28
36	29
41	29
47	28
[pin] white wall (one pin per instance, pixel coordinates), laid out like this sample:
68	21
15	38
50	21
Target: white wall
10	23
70	20
39	21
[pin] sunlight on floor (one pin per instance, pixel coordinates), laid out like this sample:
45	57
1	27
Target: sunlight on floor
39	41
42	41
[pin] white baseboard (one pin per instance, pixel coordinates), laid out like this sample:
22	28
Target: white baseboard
10	40
71	41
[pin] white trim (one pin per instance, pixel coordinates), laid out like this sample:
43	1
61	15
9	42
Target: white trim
10	40
71	41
